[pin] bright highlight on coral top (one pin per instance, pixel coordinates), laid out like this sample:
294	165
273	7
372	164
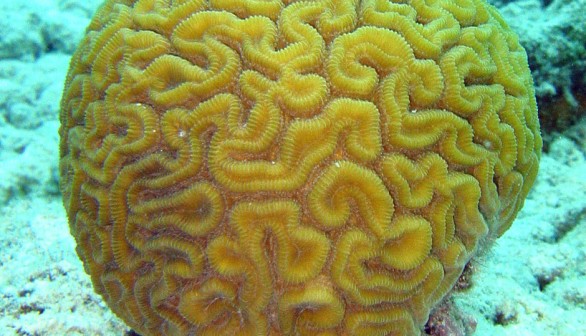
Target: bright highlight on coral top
292	168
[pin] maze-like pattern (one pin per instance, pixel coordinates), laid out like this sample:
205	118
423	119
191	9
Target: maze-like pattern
296	168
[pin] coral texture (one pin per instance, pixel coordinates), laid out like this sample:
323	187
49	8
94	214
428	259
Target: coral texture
296	168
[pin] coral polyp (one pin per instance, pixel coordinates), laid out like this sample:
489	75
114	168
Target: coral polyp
292	168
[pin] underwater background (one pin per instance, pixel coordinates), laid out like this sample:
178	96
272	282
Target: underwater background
532	282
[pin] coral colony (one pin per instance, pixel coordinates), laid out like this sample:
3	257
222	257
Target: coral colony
292	168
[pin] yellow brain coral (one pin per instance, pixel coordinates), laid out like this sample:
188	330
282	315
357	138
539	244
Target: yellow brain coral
292	168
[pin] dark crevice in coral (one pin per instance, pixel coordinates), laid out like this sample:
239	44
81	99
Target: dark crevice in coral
504	318
465	280
561	112
544	281
446	320
26	308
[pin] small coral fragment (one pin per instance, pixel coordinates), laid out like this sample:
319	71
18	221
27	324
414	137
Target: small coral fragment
265	167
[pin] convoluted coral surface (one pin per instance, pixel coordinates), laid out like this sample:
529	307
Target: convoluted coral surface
296	168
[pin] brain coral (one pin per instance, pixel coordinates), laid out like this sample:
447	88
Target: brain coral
292	168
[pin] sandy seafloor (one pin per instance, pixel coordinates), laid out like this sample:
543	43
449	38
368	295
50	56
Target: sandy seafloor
533	282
